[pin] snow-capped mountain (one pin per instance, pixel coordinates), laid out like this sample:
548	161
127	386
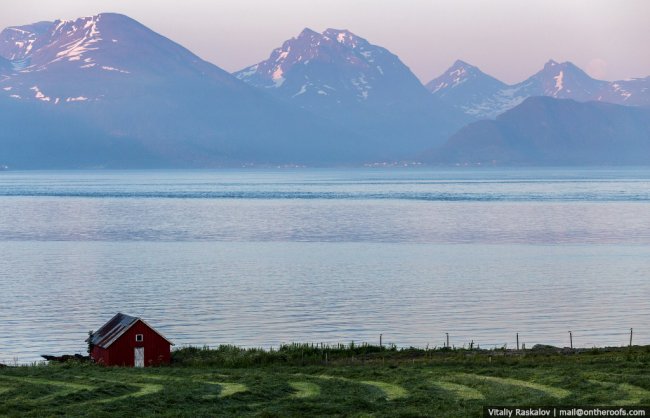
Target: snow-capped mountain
335	66
561	81
365	87
131	97
477	94
82	59
465	77
470	90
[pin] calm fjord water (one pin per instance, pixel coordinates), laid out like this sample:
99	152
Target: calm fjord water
257	258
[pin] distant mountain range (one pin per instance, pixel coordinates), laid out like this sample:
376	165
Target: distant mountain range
107	92
548	131
468	89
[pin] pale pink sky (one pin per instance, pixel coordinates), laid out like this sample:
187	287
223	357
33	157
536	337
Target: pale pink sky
509	39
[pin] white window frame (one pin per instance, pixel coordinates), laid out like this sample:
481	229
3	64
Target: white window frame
139	338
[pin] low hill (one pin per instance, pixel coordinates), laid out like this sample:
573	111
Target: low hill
547	131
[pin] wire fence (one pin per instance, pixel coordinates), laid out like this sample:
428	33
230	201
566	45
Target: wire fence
580	338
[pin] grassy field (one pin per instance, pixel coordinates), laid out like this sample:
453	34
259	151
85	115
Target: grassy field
357	381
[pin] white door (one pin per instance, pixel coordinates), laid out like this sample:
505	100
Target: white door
138	355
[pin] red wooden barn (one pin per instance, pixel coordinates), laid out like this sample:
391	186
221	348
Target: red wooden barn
129	341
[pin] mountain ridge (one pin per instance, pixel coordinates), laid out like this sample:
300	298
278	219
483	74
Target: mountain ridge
490	97
106	91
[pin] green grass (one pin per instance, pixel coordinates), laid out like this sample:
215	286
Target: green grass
297	382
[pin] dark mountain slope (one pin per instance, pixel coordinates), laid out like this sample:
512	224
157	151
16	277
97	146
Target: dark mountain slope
547	131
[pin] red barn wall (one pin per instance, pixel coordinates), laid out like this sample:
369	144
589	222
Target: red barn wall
100	355
121	352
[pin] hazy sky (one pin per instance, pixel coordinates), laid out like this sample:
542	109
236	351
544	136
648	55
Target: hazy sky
509	39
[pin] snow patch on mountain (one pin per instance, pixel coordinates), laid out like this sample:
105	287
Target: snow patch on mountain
17	42
493	106
277	78
88	36
624	93
303	90
38	94
558	82
458	77
107	68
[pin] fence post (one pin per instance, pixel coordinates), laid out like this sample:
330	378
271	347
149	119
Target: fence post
380	340
571	339
630	337
517	341
446	333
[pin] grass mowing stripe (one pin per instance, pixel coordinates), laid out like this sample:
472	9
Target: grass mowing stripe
73	387
549	390
460	391
65	388
199	378
305	389
391	391
145	389
635	394
229	389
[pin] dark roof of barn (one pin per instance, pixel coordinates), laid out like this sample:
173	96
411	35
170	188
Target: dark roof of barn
115	328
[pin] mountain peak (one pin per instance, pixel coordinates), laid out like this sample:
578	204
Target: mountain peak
458	74
68	27
461	63
334	67
307	33
344	37
550	63
552	66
